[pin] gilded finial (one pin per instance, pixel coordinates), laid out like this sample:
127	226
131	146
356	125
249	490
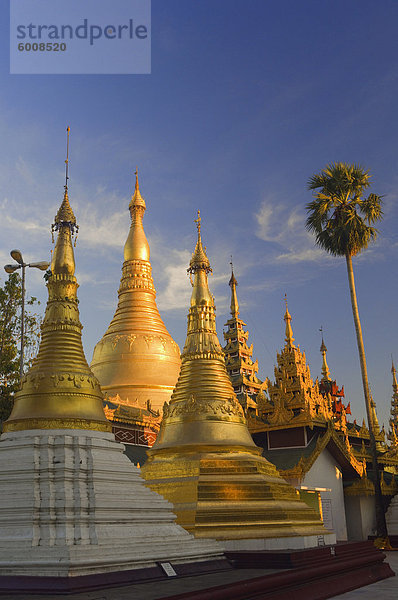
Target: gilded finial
394	376
67	158
65	216
234	298
198	221
137	187
325	366
136	200
373	413
199	260
289	339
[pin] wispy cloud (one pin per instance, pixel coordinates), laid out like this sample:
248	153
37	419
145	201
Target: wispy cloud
175	289
285	226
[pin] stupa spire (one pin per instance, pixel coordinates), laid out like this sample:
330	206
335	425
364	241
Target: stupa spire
234	298
60	369
241	369
289	339
136	246
392	436
204	459
394	377
325	366
202	352
137	362
375	420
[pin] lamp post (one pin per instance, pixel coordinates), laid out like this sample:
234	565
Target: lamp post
43	266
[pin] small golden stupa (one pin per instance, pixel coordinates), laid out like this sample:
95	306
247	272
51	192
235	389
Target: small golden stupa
60	391
137	362
204	460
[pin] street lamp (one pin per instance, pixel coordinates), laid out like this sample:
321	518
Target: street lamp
43	266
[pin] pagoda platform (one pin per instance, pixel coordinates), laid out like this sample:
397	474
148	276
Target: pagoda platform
312	574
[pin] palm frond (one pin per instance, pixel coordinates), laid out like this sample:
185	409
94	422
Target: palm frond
338	215
371	208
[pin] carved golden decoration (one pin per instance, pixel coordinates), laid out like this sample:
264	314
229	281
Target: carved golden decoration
360	487
24	424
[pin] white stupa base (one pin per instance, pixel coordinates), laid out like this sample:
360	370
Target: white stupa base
71	503
392	517
282	543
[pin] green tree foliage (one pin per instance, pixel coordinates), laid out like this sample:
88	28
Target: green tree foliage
340	216
10	337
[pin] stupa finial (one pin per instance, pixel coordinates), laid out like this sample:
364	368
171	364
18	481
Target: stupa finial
65	216
234	298
199	260
394	376
67	158
325	366
289	339
63	260
137	201
136	246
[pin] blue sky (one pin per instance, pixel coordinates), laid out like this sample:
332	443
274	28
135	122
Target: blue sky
245	101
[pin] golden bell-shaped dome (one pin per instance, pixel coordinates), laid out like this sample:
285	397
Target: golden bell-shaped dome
59	391
204	460
137	360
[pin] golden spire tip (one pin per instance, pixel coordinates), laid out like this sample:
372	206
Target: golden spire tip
67	159
137	187
198	221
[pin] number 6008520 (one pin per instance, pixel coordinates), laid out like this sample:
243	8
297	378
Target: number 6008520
42	47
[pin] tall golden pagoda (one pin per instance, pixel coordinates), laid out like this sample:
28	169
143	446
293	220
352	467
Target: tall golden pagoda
241	369
60	371
204	460
136	362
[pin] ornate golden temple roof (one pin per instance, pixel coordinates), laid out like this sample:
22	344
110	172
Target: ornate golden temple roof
294	399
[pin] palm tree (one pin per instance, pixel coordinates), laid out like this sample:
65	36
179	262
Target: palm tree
342	220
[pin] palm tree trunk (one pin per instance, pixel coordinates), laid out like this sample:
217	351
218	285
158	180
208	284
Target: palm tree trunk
380	516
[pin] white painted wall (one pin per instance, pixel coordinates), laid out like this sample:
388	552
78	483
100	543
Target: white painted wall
361	517
325	473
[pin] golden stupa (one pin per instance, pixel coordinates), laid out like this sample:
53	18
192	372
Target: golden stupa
137	362
60	391
204	459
